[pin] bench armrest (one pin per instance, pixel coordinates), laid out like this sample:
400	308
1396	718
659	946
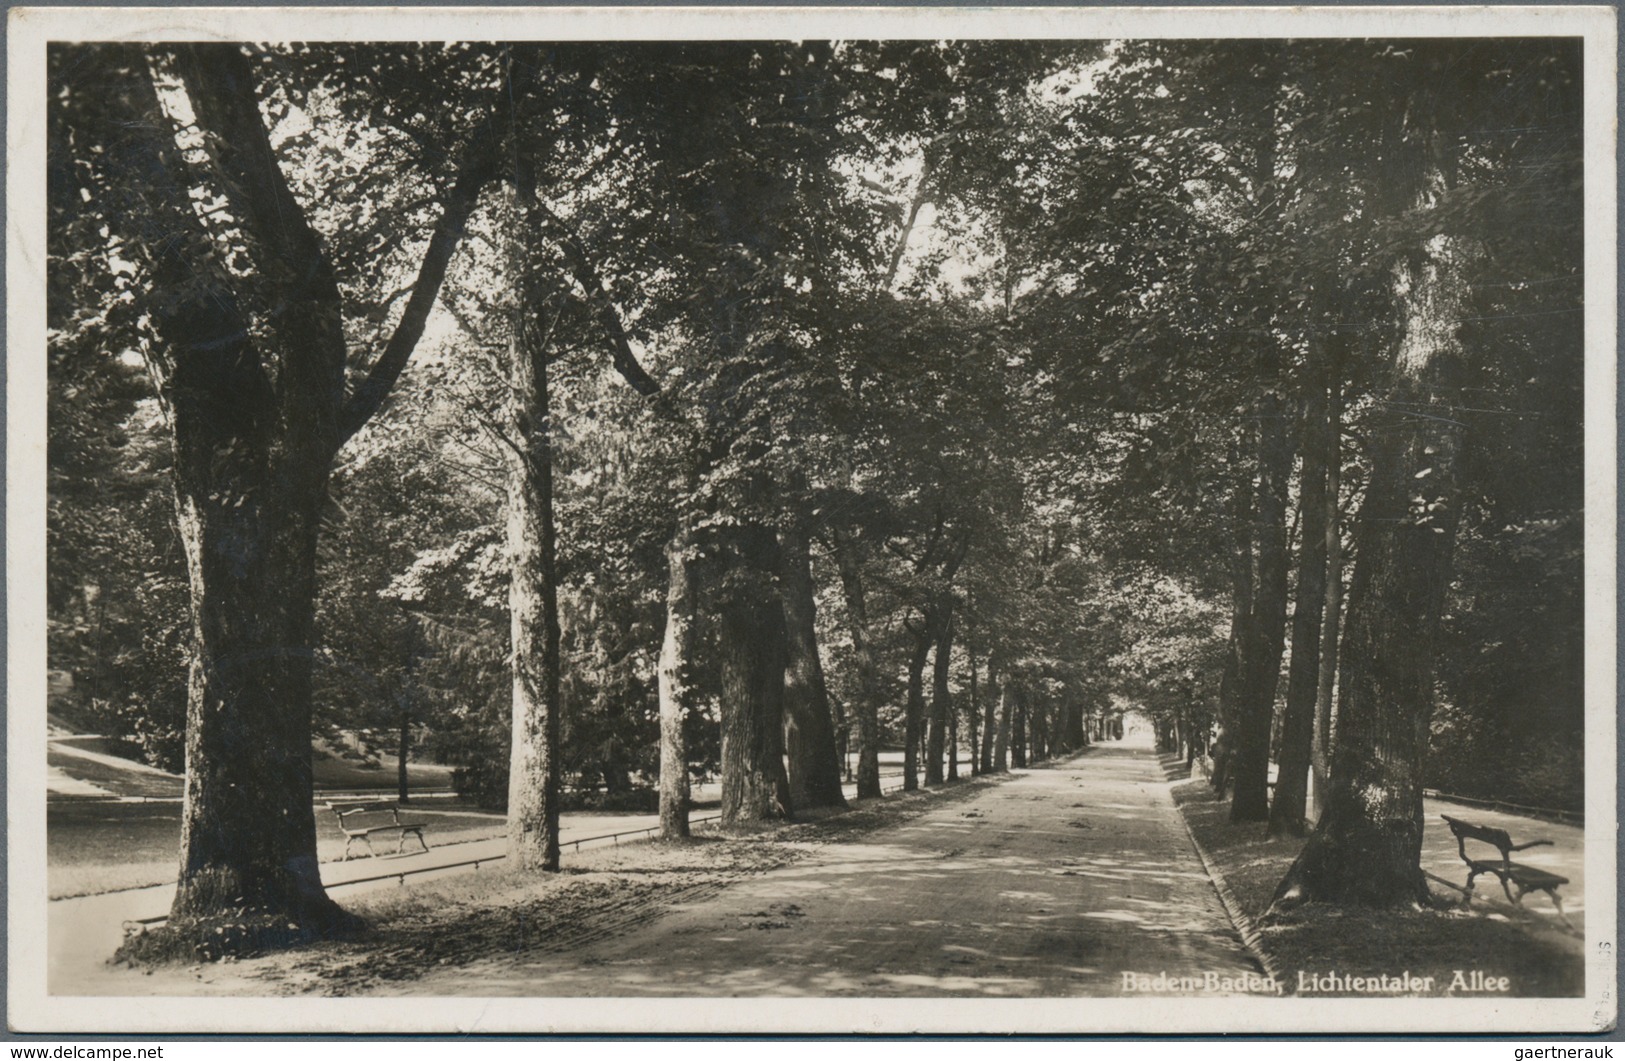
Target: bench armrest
1532	843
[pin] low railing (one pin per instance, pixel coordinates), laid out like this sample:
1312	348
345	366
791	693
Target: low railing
140	924
1562	817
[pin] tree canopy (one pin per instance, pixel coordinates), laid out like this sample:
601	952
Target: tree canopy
1087	372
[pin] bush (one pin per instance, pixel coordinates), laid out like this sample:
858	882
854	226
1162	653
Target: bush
1551	773
485	783
1472	757
641	799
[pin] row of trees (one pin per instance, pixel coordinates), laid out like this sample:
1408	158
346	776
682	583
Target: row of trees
752	379
1417	403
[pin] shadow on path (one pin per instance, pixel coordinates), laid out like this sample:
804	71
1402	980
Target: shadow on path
1051	885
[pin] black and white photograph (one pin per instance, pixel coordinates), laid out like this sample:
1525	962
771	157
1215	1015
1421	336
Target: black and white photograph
823	520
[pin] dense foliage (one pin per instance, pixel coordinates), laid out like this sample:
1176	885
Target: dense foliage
1027	345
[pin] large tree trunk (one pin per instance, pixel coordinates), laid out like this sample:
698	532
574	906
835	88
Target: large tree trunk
990	720
940	703
404	748
676	682
973	716
866	702
1018	731
1232	681
248	833
1007	710
1058	738
1266	628
753	656
252	460
411	652
1303	675
1248	727
843	735
1320	752
914	705
1035	739
258	410
534	774
615	767
533	602
1366	848
809	733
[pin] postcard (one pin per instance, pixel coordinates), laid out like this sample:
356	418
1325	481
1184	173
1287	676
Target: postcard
811	520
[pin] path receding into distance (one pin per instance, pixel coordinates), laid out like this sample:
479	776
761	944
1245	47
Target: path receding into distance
1051	884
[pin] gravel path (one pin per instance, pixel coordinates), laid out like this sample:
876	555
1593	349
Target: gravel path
1053	884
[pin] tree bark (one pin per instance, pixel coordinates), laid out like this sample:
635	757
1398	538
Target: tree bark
402	793
974	715
251	469
1303	675
1264	635
1366	848
843	736
1018	731
941	707
1007	711
533	605
990	721
1321	750
1233	679
403	694
914	705
753	656
248	835
866	702
257	409
248	494
1266	627
809	732
676	683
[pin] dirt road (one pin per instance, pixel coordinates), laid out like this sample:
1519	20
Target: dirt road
1052	884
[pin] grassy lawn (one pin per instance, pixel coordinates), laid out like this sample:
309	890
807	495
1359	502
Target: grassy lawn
95	846
119	780
331	773
344	775
1317	938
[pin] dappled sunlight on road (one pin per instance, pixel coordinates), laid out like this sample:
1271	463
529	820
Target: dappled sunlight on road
1049	885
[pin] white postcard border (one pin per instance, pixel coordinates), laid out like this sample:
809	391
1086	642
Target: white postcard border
32	1009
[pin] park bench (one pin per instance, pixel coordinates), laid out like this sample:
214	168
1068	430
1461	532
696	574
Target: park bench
1511	874
360	821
